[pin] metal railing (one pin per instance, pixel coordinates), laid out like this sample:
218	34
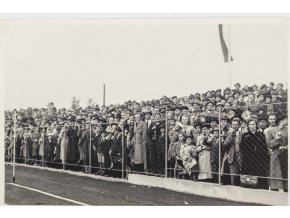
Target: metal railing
221	151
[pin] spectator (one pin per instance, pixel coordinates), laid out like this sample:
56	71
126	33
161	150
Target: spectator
232	147
116	145
63	139
214	154
186	128
262	123
188	158
174	152
139	159
255	156
203	150
144	140
277	139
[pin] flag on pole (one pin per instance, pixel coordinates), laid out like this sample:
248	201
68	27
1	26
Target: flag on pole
223	44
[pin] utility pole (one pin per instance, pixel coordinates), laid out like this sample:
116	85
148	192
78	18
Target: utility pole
104	94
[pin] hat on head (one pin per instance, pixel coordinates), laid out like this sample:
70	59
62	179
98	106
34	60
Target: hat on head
209	103
215	130
245	94
219	104
236	119
214	119
72	119
197	109
225	117
206	98
250	89
207	125
227	91
47	122
279	84
237	84
254	116
118	129
189	136
197	123
184	108
178	107
264	86
262	117
281	116
96	117
236	91
245	87
80	120
118	116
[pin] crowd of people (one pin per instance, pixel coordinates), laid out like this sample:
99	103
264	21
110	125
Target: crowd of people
242	131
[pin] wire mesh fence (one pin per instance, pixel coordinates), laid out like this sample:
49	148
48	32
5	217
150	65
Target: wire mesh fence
194	146
145	146
224	145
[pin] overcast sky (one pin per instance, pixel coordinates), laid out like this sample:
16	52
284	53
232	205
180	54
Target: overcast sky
136	59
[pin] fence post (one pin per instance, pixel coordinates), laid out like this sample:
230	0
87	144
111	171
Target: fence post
219	146
25	150
166	136
65	153
90	148
123	137
14	140
43	149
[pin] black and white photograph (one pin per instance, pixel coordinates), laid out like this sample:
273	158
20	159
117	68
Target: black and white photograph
145	111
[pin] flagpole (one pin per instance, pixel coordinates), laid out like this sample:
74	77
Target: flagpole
229	57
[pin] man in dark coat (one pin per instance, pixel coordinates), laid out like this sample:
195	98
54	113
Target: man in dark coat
232	146
148	139
99	149
79	134
84	144
73	141
116	145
